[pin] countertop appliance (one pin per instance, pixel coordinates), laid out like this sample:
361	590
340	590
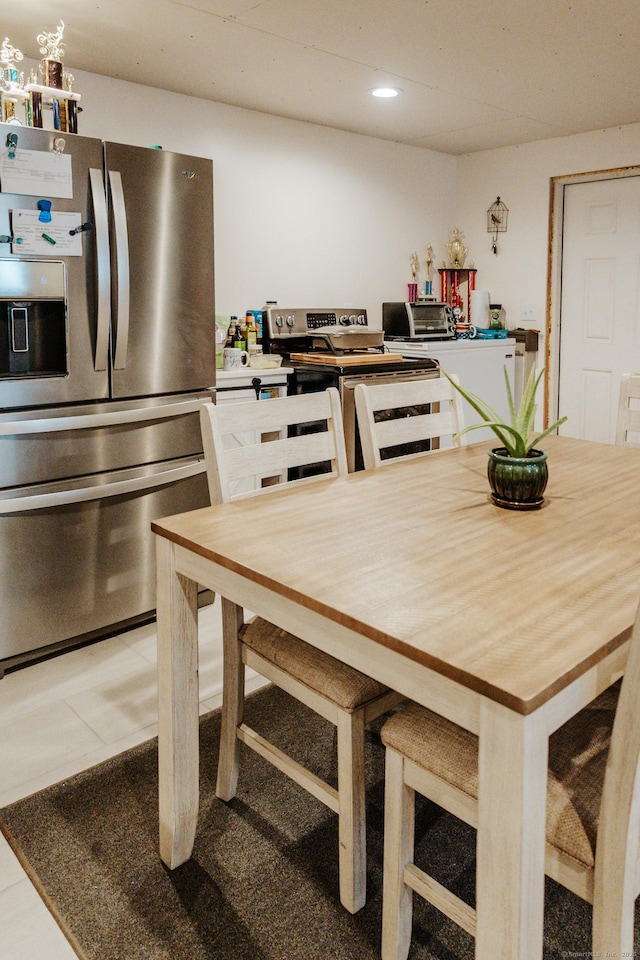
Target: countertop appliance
333	347
106	354
418	321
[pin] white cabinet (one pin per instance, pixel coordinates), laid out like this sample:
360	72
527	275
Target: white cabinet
249	385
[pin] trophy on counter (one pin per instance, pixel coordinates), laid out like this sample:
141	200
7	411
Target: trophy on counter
457	250
428	266
412	288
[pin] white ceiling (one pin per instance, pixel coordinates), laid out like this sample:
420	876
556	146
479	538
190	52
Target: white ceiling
475	74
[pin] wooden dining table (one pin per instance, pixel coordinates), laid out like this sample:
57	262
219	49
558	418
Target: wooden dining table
506	622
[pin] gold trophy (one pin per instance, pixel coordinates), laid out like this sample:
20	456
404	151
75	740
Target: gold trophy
457	249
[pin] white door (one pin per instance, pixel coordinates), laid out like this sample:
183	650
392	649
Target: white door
600	314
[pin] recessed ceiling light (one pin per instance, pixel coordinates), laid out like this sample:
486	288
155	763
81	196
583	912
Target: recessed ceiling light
386	92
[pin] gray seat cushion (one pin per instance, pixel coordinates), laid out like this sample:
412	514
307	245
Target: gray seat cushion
577	760
346	687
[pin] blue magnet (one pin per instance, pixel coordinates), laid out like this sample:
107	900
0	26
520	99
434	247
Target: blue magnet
12	143
45	207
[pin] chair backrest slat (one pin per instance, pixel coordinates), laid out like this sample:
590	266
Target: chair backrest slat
391	414
246	443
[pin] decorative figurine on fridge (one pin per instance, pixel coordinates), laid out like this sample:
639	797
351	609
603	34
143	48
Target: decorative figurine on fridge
51	67
52	92
12	84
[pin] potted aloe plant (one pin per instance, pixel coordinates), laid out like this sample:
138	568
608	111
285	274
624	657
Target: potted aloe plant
517	470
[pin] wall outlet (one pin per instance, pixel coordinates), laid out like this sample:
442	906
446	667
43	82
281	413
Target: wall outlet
528	312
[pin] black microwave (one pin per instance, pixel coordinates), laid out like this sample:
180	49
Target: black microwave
424	320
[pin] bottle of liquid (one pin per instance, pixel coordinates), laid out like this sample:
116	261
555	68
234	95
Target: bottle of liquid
239	342
257	317
251	332
231	332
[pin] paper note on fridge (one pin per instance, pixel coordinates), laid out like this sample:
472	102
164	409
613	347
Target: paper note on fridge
50	239
36	174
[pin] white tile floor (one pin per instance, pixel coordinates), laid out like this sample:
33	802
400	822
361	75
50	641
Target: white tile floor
65	715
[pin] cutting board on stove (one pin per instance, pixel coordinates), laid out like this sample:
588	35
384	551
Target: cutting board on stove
347	359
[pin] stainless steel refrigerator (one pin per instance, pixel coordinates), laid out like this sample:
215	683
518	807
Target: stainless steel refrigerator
106	353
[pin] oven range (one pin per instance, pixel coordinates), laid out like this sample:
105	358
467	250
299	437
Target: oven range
337	348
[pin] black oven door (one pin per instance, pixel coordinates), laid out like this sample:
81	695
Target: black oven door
310	380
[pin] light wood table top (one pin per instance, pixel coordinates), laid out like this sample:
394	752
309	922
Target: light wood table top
506	622
416	557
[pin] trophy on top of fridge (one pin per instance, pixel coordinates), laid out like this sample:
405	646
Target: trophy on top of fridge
49	98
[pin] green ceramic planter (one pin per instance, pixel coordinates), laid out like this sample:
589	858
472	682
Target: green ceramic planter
517	483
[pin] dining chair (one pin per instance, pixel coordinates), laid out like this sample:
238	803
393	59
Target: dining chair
593	811
628	411
337	692
396	418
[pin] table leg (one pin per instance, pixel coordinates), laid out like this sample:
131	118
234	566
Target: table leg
177	627
511	835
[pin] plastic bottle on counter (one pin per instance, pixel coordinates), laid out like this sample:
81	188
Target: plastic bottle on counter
257	317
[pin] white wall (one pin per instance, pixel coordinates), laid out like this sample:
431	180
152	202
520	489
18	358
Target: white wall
521	176
304	215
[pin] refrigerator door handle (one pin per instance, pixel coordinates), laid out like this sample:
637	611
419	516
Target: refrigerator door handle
59	498
123	272
15	428
103	257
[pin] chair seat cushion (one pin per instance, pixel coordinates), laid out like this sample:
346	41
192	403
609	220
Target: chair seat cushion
346	687
577	760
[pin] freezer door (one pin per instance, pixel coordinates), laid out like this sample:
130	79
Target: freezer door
78	559
161	215
63	443
65	371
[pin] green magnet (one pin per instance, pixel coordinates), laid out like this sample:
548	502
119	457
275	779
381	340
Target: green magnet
45	236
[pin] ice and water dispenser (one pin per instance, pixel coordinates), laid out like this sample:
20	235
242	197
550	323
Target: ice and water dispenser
33	328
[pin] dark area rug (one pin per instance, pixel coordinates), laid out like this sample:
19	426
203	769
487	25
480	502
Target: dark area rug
263	880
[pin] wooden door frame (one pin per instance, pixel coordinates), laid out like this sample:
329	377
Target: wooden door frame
554	277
